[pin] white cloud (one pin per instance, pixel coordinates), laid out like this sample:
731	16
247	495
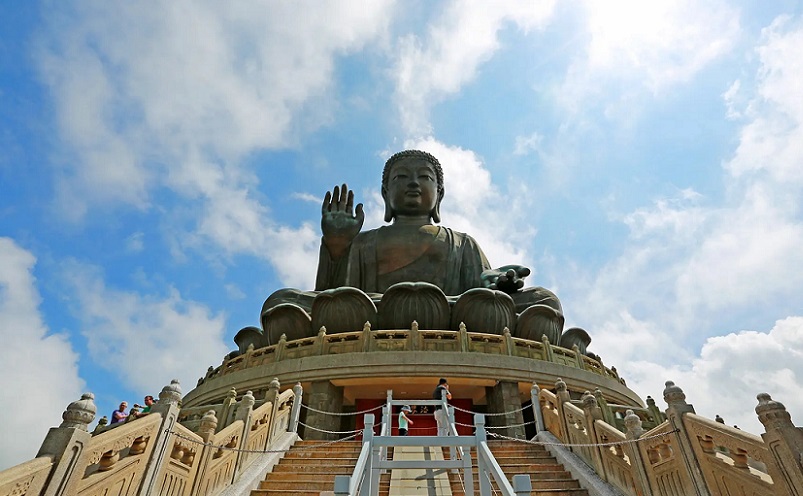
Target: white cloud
772	140
144	340
34	395
174	97
635	46
462	38
689	268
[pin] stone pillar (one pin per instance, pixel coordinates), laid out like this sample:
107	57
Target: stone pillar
676	399
273	397
504	398
67	445
592	413
784	442
244	410
324	397
633	433
167	407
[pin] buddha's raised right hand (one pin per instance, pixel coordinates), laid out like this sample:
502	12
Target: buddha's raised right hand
340	221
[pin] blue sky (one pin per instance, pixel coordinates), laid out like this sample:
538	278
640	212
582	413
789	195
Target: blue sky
163	166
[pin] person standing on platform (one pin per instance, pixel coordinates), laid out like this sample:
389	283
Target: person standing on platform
441	416
404	420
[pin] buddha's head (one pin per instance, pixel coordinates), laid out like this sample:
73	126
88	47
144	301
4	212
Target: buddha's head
412	185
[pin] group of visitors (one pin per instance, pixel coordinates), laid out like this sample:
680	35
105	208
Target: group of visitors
120	415
441	416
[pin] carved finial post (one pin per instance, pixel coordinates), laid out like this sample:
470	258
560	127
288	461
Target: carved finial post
366	337
79	414
607	414
295	413
578	357
245	408
548	355
171	394
785	443
592	413
562	393
320	341
633	425
508	340
414	336
280	346
168	408
676	399
463	334
208	426
67	446
102	423
272	396
226	415
535	393
633	432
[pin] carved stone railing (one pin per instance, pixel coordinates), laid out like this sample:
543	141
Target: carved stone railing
26	478
154	454
684	455
368	341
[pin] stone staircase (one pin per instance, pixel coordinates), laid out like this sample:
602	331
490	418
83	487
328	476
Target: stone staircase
309	468
547	475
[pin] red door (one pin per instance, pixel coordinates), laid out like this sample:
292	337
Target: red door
423	421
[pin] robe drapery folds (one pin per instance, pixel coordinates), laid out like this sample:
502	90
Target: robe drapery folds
464	265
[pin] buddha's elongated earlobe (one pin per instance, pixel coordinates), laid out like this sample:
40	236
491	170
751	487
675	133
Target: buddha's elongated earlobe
388	211
436	212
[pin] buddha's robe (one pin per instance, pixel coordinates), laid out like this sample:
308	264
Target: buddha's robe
451	260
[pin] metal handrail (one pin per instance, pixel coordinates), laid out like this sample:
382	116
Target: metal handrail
486	460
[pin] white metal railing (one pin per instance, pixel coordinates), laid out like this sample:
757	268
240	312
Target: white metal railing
373	461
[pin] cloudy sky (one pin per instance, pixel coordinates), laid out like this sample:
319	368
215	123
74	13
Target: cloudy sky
163	165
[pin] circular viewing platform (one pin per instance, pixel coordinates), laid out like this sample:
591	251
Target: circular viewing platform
368	362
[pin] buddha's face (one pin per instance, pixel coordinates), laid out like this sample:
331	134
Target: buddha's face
412	187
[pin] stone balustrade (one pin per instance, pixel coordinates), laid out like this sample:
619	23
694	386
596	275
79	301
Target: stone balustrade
684	455
155	454
413	339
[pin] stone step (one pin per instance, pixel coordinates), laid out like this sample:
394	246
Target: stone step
317	469
320	460
517	460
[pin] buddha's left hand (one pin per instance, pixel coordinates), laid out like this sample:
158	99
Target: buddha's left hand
509	278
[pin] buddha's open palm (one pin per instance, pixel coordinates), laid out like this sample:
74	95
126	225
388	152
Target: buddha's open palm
340	221
509	278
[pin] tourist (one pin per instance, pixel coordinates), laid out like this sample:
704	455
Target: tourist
404	420
149	401
441	416
119	415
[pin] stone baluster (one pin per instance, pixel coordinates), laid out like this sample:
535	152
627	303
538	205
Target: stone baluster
280	346
607	413
295	413
67	444
168	408
548	355
785	443
245	408
538	414
414	336
592	413
656	413
462	333
634	431
676	399
206	430
273	397
320	341
367	338
508	340
562	392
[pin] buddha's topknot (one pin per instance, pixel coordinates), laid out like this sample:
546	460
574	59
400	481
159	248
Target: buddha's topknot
414	154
